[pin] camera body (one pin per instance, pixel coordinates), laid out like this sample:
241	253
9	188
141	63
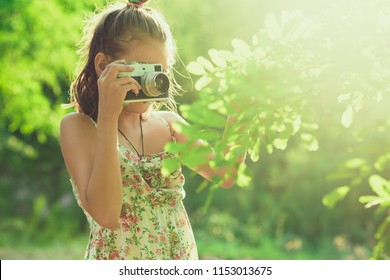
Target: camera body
154	83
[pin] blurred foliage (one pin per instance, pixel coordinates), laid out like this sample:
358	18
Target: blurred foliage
37	46
311	83
296	66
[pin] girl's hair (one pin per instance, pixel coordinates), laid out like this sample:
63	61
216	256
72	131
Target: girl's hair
109	31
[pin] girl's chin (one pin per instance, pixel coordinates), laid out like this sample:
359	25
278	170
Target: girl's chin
137	107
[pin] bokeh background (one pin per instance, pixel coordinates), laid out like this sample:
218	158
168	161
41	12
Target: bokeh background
292	208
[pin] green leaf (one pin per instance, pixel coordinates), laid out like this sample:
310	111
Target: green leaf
303	29
176	147
330	199
280	144
340	175
203	82
196	156
205	63
370	200
244	178
296	125
355	163
347	117
218	105
279	126
228	56
196	68
197	114
208	134
203	186
169	165
380	186
272	27
217	58
382	161
241	49
254	151
344	97
310	142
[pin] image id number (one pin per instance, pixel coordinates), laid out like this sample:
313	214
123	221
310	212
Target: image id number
231	270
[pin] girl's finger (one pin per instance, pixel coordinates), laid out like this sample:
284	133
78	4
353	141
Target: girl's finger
131	87
114	68
127	80
108	66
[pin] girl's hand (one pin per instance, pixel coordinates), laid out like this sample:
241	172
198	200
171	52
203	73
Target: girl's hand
112	90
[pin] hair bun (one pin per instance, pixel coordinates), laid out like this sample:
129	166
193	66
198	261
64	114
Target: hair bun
137	3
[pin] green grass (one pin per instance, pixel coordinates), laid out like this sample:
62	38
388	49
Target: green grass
271	250
207	248
66	250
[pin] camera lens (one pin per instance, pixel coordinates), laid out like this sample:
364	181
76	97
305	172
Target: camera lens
155	84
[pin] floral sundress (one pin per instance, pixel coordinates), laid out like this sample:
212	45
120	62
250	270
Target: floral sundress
153	222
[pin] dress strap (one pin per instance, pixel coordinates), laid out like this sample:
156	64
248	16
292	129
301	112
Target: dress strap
171	131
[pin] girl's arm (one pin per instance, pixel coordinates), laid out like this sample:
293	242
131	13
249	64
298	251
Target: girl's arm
90	152
92	161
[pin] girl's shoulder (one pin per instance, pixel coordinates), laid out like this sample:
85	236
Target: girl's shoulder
77	126
170	116
77	120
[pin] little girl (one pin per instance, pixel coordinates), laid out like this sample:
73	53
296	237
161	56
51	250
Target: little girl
113	151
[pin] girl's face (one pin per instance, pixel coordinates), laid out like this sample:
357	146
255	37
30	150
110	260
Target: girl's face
145	51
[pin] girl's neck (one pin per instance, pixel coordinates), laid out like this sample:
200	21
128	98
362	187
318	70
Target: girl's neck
129	119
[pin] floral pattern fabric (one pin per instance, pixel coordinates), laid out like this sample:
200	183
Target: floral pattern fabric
153	221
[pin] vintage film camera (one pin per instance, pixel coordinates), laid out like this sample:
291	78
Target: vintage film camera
155	83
